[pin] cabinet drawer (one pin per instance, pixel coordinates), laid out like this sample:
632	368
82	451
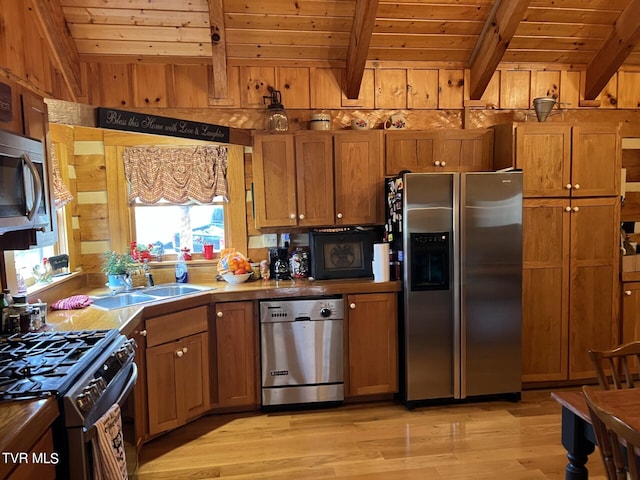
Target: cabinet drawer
176	325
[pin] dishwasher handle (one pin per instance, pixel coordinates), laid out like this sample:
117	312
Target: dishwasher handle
302	319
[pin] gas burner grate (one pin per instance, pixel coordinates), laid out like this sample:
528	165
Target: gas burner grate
37	364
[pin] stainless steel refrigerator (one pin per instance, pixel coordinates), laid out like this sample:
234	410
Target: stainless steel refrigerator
458	240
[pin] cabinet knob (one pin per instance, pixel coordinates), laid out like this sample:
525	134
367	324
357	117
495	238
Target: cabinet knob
575	209
627	292
219	314
339	215
179	353
143	333
567	209
292	216
184	350
576	186
437	163
301	216
352	306
568	186
443	164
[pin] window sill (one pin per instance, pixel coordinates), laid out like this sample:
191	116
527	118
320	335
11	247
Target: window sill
38	290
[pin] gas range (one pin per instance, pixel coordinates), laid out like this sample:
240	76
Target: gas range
86	371
41	364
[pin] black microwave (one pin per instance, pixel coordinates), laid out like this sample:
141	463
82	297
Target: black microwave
342	254
24	189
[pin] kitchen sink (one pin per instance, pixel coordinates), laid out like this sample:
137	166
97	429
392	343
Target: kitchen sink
120	300
174	289
159	292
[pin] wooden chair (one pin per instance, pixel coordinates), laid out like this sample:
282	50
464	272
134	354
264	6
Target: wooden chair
622	363
618	442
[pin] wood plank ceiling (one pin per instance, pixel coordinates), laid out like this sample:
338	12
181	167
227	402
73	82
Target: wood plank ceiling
599	36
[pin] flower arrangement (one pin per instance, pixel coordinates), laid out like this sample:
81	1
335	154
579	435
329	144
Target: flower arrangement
140	252
119	263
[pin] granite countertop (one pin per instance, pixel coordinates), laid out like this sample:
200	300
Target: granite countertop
32	418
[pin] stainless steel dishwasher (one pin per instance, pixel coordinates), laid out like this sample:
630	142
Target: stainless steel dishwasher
302	351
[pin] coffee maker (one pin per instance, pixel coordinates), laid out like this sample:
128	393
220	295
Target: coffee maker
279	264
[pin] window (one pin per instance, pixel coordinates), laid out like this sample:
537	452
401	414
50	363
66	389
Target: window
178	226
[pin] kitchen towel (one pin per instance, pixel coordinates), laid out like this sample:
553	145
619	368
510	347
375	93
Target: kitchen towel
109	461
69	303
381	262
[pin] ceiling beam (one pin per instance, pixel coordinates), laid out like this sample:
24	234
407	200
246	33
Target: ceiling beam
218	48
361	31
63	48
614	51
496	35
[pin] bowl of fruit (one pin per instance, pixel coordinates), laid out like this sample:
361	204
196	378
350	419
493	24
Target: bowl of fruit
235	278
233	266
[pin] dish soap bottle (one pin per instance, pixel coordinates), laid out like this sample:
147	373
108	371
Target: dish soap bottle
182	276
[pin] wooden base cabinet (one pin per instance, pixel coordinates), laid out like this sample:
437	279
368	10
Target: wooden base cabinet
570	285
630	312
177	360
371	344
235	376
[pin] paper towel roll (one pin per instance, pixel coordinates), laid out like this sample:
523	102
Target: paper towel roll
381	262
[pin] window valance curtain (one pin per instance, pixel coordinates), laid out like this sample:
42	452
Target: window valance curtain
179	175
61	193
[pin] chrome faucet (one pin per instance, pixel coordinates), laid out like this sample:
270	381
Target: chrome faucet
128	282
147	273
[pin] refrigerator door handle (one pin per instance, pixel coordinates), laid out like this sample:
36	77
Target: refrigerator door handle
458	312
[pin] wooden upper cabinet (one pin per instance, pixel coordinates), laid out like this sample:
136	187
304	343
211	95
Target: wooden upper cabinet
359	179
314	176
543	152
449	150
561	160
274	180
414	151
313	179
596	160
466	150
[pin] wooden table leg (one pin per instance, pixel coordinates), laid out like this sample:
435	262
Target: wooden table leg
578	439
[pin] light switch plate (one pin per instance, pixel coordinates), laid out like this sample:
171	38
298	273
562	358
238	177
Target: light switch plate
270	240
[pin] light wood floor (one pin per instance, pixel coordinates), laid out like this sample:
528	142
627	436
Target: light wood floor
488	440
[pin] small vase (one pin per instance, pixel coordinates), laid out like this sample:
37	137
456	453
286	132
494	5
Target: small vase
117	281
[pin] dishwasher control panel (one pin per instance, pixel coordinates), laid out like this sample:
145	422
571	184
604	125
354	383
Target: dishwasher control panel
301	310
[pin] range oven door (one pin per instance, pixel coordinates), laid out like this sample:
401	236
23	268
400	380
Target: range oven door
79	438
23	184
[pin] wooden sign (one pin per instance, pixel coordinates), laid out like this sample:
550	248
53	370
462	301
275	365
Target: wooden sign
6	110
156	125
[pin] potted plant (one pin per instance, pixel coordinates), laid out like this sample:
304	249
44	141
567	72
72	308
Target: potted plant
119	267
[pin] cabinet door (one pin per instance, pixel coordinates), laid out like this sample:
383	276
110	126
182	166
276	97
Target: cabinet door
372	340
274	180
596	160
236	346
545	289
414	151
194	374
594	287
314	175
630	312
165	405
465	150
140	414
359	180
543	152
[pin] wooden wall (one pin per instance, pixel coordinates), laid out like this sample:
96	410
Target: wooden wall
430	95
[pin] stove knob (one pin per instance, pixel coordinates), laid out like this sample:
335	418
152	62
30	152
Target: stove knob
98	385
325	312
83	402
